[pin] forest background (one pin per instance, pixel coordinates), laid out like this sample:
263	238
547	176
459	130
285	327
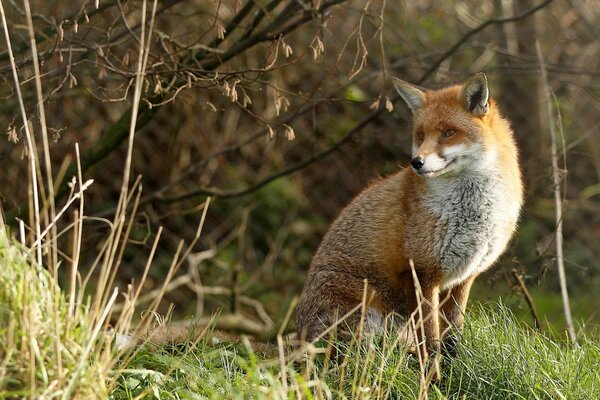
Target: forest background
280	112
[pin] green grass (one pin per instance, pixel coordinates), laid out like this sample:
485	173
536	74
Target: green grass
48	347
498	358
549	307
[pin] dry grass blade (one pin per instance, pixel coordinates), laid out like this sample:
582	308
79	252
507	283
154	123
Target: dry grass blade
31	148
419	324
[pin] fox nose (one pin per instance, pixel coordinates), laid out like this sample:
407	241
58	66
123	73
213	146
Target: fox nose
417	162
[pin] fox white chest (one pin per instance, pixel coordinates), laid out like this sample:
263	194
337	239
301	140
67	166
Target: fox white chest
475	219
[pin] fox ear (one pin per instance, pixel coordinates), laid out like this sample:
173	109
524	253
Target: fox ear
475	95
414	98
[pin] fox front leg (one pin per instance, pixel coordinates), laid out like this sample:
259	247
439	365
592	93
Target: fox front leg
424	306
424	303
453	303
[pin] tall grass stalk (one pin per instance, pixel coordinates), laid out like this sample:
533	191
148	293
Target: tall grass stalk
31	148
106	279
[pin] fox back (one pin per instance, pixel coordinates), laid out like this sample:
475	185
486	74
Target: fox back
450	214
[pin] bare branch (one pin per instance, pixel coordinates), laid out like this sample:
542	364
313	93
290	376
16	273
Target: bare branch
366	121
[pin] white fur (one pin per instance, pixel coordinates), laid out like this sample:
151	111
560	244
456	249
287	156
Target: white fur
474	215
454	151
433	164
373	321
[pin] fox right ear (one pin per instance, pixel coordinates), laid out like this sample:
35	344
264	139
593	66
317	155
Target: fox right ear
414	98
476	95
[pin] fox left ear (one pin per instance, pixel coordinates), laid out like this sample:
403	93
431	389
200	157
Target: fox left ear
476	95
413	96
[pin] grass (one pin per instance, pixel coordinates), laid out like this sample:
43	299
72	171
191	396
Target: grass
499	358
52	349
549	307
47	348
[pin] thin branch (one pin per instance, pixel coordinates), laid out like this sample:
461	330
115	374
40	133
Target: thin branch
528	299
31	149
49	197
267	34
224	194
79	17
115	135
556	180
478	29
196	166
233	24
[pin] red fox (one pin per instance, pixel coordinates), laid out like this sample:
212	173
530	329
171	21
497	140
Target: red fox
451	215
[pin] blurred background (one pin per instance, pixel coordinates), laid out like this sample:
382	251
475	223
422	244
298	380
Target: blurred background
281	112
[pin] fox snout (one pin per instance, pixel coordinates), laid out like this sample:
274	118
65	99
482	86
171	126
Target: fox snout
426	162
430	164
417	162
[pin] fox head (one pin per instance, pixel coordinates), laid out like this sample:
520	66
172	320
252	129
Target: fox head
451	126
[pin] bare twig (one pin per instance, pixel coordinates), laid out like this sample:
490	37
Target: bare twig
528	299
287	171
417	321
79	17
113	255
49	198
556	180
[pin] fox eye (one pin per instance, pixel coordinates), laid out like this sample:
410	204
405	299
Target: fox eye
449	133
420	137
